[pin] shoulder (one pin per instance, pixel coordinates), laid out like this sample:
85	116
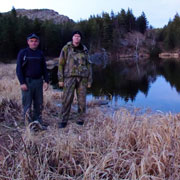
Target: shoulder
23	51
67	46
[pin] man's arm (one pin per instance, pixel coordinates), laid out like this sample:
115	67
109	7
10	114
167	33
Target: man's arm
45	73
19	68
89	66
62	61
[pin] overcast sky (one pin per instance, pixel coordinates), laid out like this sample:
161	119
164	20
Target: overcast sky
158	12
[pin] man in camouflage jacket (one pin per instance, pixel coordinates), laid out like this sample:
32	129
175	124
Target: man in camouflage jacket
75	73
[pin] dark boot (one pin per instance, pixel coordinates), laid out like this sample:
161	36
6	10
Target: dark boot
62	125
80	123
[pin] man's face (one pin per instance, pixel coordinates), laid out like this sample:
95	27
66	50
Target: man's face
33	43
76	39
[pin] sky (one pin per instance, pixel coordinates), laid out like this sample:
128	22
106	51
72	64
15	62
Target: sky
158	12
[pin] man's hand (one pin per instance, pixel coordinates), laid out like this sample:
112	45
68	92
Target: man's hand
61	84
24	87
89	85
45	86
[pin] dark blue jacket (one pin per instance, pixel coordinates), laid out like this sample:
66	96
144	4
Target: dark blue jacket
31	63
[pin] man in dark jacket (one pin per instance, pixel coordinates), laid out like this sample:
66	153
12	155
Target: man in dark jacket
31	71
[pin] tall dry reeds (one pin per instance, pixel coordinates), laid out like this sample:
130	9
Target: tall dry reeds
111	146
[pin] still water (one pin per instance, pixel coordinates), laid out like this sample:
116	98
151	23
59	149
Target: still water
153	84
148	84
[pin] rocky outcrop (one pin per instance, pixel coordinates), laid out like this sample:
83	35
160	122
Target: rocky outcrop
43	14
134	45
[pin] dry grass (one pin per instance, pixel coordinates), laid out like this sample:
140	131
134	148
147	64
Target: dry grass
111	146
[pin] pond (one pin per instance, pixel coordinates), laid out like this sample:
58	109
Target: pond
153	84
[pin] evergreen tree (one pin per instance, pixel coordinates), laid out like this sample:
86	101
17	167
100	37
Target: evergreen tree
130	21
121	18
141	23
100	31
8	26
107	30
171	33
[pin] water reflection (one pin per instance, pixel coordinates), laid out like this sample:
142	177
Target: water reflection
125	79
152	83
170	69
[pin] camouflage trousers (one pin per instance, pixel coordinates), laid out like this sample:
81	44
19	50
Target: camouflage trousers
70	85
33	96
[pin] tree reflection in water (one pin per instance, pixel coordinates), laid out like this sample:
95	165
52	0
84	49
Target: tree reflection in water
123	80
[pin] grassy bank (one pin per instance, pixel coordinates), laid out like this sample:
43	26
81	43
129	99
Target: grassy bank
111	146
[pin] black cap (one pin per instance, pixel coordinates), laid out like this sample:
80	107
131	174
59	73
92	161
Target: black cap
31	36
77	32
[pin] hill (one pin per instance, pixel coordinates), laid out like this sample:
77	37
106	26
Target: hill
43	14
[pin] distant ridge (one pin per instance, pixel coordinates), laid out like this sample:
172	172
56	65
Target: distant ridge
43	14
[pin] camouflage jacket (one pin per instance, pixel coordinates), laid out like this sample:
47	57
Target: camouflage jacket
74	62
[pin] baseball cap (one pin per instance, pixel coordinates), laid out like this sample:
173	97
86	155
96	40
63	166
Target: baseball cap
33	35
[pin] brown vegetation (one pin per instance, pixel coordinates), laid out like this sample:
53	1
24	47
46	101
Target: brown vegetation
111	145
